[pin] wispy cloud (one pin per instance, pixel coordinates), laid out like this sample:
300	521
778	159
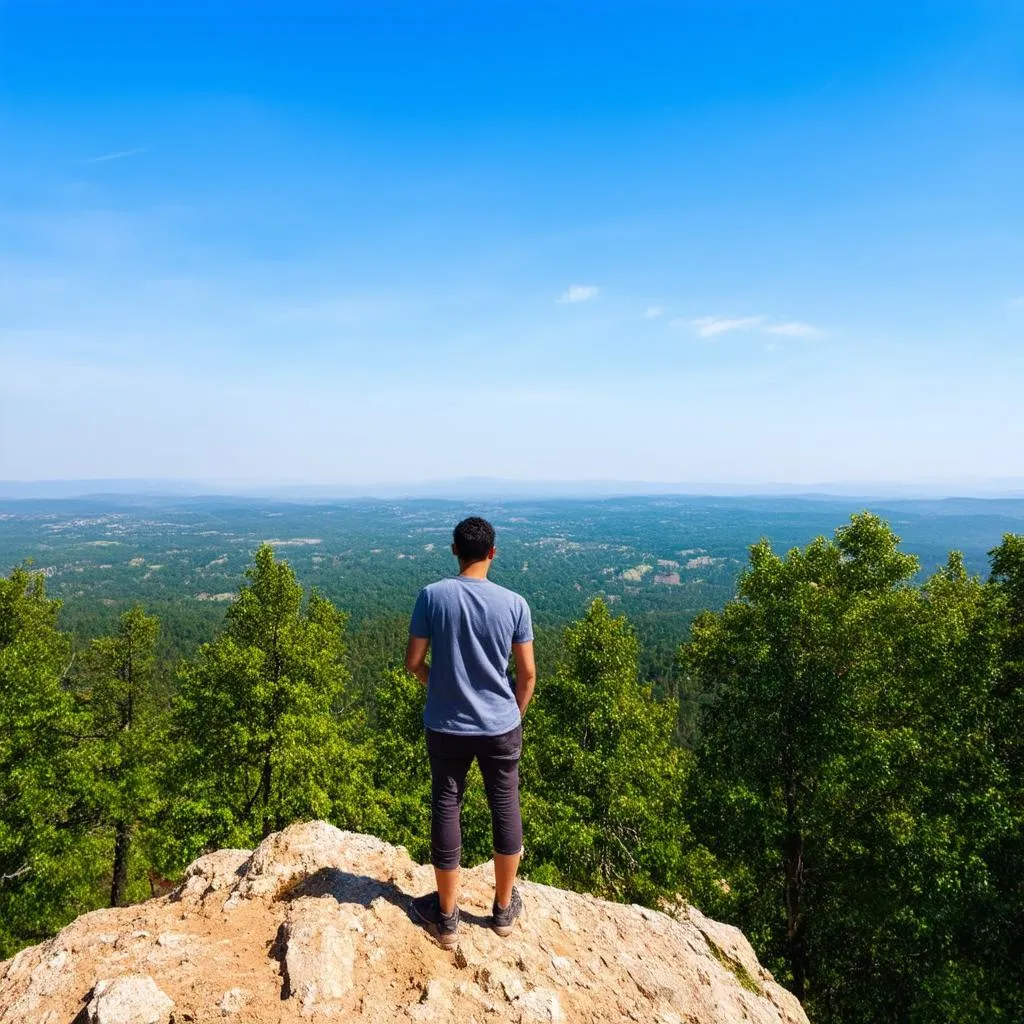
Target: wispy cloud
119	155
709	326
579	293
795	329
653	312
1017	302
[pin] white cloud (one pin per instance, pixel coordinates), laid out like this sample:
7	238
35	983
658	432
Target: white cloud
579	293
119	155
709	326
796	329
653	312
1018	302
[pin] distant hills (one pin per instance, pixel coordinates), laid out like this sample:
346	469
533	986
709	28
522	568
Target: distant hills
497	487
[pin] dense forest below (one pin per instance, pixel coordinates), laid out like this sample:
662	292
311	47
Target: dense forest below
659	560
817	736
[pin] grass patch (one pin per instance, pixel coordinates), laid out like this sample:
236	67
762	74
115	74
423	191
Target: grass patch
739	972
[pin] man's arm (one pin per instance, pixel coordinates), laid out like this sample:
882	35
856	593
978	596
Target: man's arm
416	657
526	674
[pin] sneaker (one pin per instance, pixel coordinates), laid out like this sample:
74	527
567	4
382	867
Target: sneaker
444	927
503	918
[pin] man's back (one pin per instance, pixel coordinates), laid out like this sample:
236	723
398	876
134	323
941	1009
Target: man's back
472	624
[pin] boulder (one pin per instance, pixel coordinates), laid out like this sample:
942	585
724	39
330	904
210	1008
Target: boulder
315	924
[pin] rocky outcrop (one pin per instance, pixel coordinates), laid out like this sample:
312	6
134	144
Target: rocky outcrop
314	925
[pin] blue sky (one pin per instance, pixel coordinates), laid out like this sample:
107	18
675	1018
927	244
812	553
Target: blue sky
346	242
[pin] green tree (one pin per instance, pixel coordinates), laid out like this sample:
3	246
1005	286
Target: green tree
848	777
1004	933
126	713
46	861
265	717
916	809
1008	579
777	661
399	766
602	778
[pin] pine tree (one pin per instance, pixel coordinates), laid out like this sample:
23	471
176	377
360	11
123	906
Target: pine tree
46	859
126	715
603	780
263	713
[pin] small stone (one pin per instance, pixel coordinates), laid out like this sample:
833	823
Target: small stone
473	991
500	980
132	999
171	940
57	961
436	991
233	1000
436	997
48	977
541	1004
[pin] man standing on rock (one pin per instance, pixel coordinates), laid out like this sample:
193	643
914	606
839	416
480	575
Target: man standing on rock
472	626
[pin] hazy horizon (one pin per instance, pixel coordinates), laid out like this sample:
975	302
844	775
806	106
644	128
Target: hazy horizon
461	488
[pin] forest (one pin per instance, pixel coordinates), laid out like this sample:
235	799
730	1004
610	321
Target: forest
829	756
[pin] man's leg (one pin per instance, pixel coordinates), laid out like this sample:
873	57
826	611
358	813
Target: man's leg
447	881
506	865
500	769
447	786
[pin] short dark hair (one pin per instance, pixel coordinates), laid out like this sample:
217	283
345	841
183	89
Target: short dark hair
474	538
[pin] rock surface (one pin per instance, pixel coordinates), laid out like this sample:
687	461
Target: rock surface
314	925
133	999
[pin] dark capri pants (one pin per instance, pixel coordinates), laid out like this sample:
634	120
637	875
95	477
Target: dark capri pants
450	759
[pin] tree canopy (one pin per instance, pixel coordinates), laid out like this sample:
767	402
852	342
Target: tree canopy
846	782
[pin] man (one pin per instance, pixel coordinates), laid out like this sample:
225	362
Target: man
471	626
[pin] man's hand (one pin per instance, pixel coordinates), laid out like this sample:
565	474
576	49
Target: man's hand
526	674
416	657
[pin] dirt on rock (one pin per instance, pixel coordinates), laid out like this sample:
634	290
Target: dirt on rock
314	925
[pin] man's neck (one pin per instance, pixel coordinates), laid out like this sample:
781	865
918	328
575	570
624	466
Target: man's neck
476	570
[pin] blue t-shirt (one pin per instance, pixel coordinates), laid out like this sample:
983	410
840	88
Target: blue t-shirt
471	624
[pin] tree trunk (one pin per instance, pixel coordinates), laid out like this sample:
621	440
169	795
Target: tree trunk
265	788
122	847
794	864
